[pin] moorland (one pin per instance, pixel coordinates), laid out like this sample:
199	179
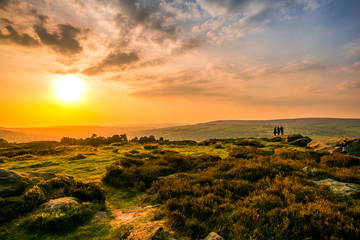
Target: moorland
152	188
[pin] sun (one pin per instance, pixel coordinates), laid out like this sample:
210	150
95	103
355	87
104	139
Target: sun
69	87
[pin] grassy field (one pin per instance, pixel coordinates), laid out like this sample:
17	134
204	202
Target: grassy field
220	181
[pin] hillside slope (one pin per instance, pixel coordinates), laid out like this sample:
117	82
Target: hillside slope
313	127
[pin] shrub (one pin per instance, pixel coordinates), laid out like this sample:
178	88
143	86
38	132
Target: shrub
151	147
248	152
34	197
340	160
87	192
247	142
62	219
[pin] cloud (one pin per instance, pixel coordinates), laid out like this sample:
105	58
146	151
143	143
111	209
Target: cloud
22	39
181	10
150	22
188	44
218	7
353	49
64	40
311	5
4	3
177	91
114	61
348	85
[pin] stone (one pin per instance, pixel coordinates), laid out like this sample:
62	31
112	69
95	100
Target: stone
12	183
333	144
341	188
301	142
309	171
293	137
101	215
213	236
58	203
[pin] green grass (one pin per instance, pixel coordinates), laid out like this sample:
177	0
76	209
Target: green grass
275	165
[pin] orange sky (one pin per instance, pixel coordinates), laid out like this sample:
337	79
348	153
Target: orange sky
178	61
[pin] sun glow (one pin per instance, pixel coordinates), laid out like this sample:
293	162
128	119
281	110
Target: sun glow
69	88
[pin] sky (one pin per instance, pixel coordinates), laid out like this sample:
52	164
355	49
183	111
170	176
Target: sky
178	61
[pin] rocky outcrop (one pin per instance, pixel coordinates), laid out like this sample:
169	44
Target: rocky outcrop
13	183
301	142
340	187
334	144
213	236
293	139
58	203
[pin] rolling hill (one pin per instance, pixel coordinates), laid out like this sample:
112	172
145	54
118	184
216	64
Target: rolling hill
312	127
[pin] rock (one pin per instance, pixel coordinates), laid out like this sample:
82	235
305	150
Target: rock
293	137
309	171
167	177
12	183
301	142
274	139
213	236
101	215
58	203
340	187
333	144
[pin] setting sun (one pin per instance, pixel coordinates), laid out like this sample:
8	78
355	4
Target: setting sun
69	87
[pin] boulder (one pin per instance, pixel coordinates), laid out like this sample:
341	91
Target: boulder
213	236
293	137
274	139
58	203
333	144
13	183
301	142
340	187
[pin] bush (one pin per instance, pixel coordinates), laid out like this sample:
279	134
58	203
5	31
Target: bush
340	160
62	219
86	192
151	147
247	142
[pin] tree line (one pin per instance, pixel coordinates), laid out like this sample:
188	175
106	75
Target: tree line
95	140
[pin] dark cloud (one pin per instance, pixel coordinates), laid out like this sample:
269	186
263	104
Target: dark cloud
42	17
114	61
22	39
6	21
65	41
4	3
189	44
150	18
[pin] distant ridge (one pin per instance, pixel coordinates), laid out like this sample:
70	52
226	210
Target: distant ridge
312	127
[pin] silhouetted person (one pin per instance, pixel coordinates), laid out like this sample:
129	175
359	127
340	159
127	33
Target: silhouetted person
282	130
344	145
275	131
278	130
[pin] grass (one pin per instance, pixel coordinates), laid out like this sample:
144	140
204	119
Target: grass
234	195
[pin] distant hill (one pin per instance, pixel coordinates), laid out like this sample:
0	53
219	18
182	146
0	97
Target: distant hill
56	133
312	127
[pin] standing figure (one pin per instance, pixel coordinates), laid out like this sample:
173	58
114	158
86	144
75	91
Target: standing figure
275	131
282	130
278	130
345	145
